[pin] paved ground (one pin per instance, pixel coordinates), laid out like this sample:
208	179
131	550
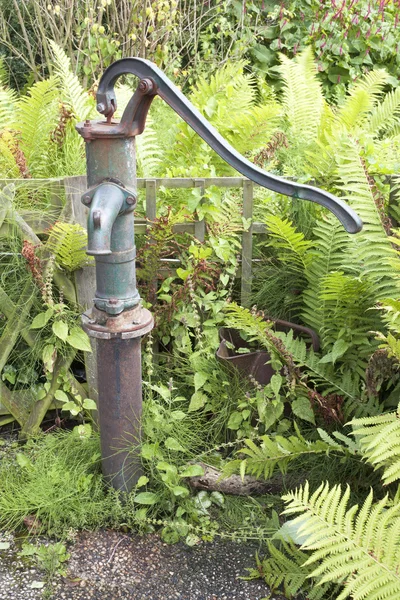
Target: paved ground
108	565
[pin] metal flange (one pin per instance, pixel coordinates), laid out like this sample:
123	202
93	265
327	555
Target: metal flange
127	325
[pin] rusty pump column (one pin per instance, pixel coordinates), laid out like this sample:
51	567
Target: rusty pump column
118	321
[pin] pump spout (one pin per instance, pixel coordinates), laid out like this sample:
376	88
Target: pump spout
104	209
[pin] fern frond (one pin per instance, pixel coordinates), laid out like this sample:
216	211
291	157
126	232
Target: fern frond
35	118
284	569
386	114
379	440
362	98
68	243
358	548
292	246
278	452
8	103
72	93
303	101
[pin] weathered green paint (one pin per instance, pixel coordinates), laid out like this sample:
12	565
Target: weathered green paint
111	171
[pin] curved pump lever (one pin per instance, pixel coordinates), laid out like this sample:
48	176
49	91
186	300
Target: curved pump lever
154	81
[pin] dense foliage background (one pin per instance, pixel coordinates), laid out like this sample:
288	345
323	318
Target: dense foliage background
307	90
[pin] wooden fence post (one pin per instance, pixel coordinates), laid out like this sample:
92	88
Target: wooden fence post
247	244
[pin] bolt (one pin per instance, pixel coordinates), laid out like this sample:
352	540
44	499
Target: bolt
130	200
87	123
101	107
86	200
147	86
113	301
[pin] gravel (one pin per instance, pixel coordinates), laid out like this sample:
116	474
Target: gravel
108	565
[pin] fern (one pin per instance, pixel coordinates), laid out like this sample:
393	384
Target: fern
358	548
386	114
379	440
72	93
8	101
68	243
284	568
362	98
36	116
303	101
278	452
293	248
228	101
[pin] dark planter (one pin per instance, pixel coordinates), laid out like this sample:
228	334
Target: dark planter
255	363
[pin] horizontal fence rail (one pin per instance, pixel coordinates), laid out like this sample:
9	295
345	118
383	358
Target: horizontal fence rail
72	189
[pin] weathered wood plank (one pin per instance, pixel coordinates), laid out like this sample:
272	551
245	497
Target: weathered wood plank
200	226
151	201
247	244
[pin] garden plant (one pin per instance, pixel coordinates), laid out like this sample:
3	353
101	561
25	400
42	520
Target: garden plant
314	96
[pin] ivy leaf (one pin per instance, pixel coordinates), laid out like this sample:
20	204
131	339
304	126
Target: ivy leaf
89	404
79	339
148	498
60	329
41	319
62	396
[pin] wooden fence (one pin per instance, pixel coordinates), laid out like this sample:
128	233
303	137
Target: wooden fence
65	204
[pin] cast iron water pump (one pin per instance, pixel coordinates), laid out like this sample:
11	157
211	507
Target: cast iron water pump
118	320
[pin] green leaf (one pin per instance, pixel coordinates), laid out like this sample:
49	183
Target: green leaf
148	498
49	355
192	539
89	404
60	395
41	319
192	471
197	401
38	585
60	329
339	348
72	407
179	490
79	339
143	480
173	444
276	383
178	415
183	273
23	460
199	380
235	420
301	407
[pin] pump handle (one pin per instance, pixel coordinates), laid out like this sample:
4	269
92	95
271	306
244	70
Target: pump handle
154	81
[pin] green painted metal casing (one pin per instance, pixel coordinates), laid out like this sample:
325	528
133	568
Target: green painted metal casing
111	166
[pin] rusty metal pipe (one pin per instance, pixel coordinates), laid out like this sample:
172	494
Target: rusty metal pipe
120	410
